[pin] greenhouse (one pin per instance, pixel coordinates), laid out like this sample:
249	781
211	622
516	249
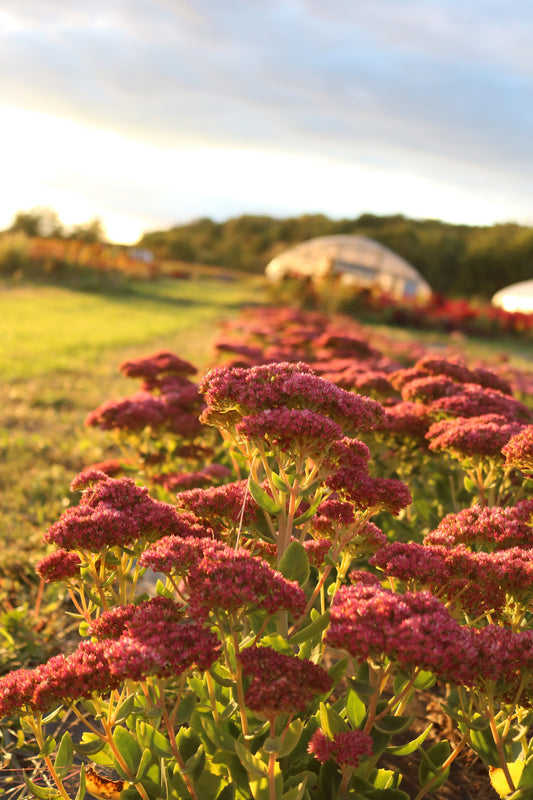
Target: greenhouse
517	297
358	261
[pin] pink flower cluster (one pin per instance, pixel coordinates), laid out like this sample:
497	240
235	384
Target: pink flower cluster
406	419
346	747
157	640
473	580
280	682
112	512
59	566
152	638
475	401
180	481
414	629
173	555
457	370
60	679
144	410
290	386
518	451
493	528
232	580
225	504
474	436
299	431
352	481
160	363
167	401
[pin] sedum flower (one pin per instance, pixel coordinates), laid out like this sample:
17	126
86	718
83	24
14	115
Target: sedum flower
112	512
59	566
518	451
414	629
291	430
251	391
224	504
161	363
232	580
280	682
346	747
474	436
494	528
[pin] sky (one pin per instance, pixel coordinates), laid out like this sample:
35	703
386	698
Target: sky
152	113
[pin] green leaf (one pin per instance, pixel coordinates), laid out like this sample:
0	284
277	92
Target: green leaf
218	735
386	794
425	680
252	764
125	709
49	745
297	792
145	762
310	513
89	745
162	591
526	778
279	483
483	744
329	779
128	748
410	747
337	670
384	779
391	724
312	630
80	794
331	721
272	745
186	708
227	793
195	763
150	738
431	764
470	486
64	756
263	499
294	564
41	792
291	737
53	715
355	709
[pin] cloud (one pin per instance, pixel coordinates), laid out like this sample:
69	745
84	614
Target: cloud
438	89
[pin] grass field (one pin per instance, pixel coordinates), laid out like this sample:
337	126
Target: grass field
59	356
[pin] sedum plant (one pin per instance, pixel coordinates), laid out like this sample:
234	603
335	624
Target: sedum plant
263	640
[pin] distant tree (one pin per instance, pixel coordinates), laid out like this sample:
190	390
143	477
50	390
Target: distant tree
456	260
90	232
39	221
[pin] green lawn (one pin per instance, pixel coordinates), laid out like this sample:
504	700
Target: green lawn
59	355
51	329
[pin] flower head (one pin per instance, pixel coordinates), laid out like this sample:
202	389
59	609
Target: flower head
346	747
518	451
233	580
291	430
281	683
59	566
474	436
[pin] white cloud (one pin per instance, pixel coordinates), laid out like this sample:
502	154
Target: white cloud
179	108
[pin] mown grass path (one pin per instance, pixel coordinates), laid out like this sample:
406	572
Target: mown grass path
59	356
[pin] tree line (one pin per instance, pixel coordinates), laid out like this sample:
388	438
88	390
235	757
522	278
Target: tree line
456	260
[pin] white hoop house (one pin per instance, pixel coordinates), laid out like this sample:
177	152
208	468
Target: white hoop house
357	260
517	297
